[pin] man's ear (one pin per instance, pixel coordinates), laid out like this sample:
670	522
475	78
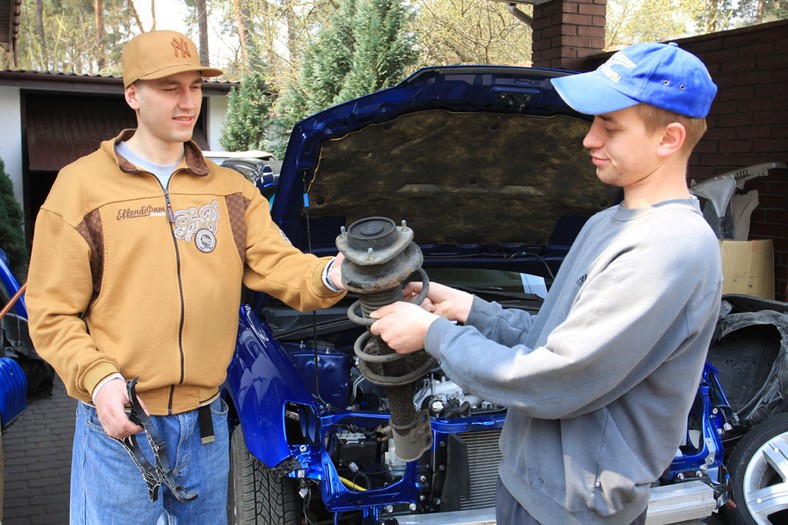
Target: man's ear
132	96
673	138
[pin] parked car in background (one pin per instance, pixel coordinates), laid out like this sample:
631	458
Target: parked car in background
482	168
258	166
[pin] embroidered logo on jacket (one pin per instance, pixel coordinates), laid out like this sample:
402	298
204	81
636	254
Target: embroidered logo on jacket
142	211
198	224
581	280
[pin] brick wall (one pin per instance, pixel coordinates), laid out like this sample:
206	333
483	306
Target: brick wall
748	123
565	32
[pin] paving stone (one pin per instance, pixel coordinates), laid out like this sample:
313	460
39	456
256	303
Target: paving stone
38	461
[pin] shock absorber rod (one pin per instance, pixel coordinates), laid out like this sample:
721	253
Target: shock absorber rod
379	258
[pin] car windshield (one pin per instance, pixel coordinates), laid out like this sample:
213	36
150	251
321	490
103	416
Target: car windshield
486	280
510	289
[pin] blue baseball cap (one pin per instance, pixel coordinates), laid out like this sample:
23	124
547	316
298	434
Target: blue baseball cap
662	75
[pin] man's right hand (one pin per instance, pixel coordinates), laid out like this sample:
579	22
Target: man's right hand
111	403
442	300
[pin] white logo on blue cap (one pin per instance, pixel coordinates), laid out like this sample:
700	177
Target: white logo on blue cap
619	59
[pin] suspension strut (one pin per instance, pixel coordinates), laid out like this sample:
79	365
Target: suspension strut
380	258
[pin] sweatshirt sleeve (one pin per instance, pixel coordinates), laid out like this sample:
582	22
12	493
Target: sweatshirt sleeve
620	328
276	267
509	326
59	290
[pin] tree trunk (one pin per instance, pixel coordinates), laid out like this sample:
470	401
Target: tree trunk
101	51
136	15
292	32
202	26
241	22
42	40
713	14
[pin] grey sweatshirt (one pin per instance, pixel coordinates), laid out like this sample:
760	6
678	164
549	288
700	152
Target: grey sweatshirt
600	382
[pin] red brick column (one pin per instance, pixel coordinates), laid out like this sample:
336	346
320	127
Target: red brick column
565	32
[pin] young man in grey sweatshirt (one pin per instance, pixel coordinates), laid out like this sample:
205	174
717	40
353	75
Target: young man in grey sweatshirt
600	382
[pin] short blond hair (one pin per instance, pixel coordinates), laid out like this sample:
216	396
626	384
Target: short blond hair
656	118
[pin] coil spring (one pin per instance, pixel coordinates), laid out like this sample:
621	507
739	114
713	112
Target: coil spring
419	364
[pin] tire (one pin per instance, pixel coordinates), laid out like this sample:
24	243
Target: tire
256	495
758	468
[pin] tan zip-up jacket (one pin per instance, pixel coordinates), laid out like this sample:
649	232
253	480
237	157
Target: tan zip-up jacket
127	277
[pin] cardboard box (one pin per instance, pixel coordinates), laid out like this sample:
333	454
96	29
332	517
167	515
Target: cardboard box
748	267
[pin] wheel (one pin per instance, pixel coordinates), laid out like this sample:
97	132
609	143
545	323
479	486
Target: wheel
256	495
758	468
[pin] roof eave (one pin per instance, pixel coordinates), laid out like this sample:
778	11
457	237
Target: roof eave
46	81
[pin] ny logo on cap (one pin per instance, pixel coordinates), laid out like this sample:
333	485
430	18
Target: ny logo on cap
180	45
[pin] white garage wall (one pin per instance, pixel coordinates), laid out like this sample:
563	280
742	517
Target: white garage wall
11	137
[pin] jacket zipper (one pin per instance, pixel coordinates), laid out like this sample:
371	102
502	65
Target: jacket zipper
171	217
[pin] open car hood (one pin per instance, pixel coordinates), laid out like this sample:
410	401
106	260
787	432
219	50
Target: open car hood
479	160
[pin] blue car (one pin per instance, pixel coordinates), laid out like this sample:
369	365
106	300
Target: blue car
13	382
475	177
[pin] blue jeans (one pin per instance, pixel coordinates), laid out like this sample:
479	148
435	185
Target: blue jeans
107	488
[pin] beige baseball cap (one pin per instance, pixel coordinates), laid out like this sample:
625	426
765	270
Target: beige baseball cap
157	54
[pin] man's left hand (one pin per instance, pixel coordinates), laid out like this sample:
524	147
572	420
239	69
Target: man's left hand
403	326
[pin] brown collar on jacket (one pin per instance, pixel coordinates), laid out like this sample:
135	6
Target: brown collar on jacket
192	155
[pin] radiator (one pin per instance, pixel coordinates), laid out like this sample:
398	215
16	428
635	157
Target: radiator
484	455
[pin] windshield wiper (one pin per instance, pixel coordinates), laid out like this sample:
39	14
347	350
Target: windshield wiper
524	300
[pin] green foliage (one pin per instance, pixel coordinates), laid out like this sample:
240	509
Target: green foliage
366	46
632	21
471	32
385	47
67	40
761	11
324	67
12	238
248	111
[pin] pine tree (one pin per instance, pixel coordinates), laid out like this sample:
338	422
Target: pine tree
385	48
12	237
248	119
365	47
325	64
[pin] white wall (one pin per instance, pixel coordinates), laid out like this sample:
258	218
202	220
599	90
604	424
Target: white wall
217	113
11	137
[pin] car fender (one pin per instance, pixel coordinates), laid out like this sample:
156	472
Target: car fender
261	380
751	352
13	391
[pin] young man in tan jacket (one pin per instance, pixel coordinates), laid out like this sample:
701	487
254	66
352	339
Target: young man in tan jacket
138	260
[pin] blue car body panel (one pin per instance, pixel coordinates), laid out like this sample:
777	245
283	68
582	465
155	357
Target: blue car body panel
261	380
10	286
13	382
13	391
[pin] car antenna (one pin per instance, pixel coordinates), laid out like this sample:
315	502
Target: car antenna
314	313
